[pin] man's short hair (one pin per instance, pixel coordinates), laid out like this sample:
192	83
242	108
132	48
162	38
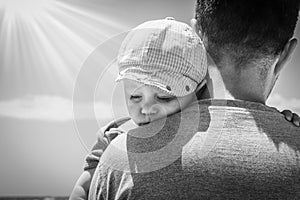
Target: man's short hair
246	29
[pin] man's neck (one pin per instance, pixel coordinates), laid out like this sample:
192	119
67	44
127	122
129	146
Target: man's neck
227	83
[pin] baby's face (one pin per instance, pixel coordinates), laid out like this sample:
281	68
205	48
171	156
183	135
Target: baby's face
146	103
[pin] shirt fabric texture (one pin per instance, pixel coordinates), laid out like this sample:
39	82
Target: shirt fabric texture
214	149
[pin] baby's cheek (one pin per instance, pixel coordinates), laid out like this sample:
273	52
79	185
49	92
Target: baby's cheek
134	112
167	110
131	107
175	107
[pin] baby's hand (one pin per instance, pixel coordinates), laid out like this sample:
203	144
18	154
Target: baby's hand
112	134
111	130
291	117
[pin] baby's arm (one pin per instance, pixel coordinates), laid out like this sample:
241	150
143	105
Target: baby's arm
291	117
104	137
81	188
82	185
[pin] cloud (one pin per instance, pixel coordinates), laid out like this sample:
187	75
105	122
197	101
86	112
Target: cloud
52	108
56	108
282	103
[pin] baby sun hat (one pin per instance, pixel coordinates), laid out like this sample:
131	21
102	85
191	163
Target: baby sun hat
163	53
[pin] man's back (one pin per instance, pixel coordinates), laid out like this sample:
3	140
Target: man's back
221	149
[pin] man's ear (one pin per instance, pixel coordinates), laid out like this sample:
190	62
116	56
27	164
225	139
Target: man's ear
285	55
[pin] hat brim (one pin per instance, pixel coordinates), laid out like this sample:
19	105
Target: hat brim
170	83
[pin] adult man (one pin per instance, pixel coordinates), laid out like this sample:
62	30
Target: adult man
237	148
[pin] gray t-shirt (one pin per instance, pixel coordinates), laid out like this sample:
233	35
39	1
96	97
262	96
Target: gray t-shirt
214	149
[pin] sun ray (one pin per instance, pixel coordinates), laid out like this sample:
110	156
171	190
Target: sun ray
44	42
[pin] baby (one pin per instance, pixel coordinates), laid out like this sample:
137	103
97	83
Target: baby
162	64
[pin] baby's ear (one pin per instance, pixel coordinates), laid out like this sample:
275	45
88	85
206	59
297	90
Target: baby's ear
196	28
194	25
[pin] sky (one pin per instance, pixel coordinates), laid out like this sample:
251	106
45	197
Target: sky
55	93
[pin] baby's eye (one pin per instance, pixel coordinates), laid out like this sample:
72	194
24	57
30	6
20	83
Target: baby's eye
135	98
165	99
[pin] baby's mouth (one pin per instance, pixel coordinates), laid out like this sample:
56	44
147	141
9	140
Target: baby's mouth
144	123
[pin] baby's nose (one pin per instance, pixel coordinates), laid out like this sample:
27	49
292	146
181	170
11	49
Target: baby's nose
149	109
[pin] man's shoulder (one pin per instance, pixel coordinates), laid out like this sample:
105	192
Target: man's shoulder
244	117
253	122
264	116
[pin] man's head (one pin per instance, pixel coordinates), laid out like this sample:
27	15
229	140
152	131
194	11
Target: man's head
247	33
163	64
